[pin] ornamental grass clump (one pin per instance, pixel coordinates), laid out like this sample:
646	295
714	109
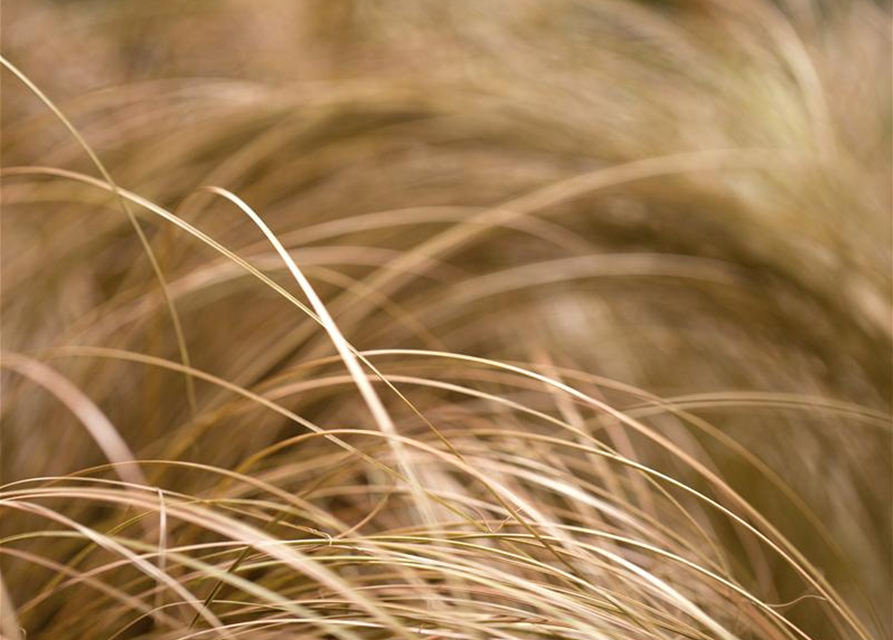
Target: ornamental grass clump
446	320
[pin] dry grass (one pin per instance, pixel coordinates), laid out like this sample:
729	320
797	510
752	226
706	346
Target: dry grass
446	320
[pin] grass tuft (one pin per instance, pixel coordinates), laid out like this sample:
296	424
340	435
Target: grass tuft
558	321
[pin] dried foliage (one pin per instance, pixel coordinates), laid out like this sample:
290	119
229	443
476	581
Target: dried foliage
446	320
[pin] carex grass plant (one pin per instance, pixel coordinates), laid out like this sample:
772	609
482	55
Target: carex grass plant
446	320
